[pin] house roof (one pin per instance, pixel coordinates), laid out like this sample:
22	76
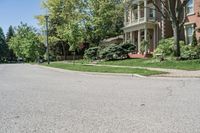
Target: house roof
113	38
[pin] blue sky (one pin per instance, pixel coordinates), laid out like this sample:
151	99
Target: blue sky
12	12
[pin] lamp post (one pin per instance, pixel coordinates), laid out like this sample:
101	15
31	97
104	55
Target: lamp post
47	41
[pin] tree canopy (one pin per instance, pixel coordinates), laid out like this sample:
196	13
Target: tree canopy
26	44
3	46
11	55
75	21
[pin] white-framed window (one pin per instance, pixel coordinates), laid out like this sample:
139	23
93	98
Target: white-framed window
151	13
190	7
189	30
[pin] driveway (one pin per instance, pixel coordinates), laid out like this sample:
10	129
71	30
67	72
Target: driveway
35	99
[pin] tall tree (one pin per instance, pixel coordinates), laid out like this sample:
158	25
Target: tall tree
105	19
63	14
9	35
175	12
26	43
3	48
95	19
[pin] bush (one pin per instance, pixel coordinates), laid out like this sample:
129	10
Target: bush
128	47
91	53
198	51
115	52
194	39
166	47
144	46
111	52
189	52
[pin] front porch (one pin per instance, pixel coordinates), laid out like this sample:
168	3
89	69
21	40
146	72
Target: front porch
139	33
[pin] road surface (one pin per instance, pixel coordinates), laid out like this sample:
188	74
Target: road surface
35	99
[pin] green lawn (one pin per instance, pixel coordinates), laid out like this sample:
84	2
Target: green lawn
102	69
184	65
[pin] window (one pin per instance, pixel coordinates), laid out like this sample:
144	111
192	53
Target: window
151	13
189	33
190	7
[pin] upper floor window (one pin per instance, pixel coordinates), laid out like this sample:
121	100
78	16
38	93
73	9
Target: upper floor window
190	7
151	13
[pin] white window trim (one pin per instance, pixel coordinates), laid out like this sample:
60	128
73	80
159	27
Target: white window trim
185	30
193	12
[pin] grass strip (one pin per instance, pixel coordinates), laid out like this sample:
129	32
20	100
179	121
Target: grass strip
103	69
168	64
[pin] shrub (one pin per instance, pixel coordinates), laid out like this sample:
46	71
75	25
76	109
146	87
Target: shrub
114	51
144	46
91	53
166	47
128	47
198	51
188	52
111	52
194	39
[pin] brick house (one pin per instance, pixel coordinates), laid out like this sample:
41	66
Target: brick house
193	21
142	23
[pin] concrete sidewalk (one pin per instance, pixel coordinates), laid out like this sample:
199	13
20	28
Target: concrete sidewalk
170	72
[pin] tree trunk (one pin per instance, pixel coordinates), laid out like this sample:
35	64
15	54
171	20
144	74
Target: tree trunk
74	57
176	30
64	50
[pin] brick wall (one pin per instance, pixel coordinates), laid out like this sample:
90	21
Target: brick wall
195	18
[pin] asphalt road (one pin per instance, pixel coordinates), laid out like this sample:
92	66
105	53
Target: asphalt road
34	99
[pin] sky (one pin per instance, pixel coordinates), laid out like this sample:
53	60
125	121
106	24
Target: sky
12	12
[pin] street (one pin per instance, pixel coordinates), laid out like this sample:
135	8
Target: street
35	99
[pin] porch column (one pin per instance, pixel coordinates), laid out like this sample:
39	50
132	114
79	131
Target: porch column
139	40
125	17
125	37
131	36
138	11
131	15
145	10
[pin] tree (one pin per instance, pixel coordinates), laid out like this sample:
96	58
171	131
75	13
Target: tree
9	35
3	48
90	17
62	14
105	19
26	44
175	12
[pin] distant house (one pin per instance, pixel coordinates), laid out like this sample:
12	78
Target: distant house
113	40
142	23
